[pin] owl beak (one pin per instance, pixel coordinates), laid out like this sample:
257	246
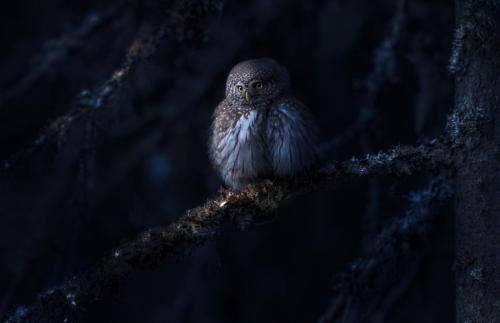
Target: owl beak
248	96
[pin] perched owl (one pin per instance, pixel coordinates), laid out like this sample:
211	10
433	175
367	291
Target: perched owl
260	130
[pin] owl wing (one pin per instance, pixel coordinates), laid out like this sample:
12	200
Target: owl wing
292	138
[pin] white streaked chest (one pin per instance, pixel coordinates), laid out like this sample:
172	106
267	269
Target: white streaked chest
242	149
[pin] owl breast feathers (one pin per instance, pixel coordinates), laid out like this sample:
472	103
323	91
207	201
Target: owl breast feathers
260	130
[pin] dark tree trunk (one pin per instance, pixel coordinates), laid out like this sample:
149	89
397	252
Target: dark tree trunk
475	131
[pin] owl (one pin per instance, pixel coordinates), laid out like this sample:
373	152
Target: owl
260	130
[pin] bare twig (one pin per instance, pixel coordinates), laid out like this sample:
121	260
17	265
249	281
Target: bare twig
156	246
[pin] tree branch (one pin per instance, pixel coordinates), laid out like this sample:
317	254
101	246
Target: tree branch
154	247
88	101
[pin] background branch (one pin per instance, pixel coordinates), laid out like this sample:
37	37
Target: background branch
56	52
179	19
372	284
383	70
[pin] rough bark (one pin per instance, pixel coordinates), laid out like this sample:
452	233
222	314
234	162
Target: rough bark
475	130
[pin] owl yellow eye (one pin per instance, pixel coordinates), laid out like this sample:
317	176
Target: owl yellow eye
259	85
239	88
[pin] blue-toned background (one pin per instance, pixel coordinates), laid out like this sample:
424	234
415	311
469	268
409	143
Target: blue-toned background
140	160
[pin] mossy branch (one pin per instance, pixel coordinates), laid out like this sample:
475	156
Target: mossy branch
256	203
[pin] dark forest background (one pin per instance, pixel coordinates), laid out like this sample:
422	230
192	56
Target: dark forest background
139	160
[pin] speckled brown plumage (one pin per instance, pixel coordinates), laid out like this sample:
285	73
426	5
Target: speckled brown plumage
260	130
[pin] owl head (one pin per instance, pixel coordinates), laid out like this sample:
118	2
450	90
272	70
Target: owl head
256	81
